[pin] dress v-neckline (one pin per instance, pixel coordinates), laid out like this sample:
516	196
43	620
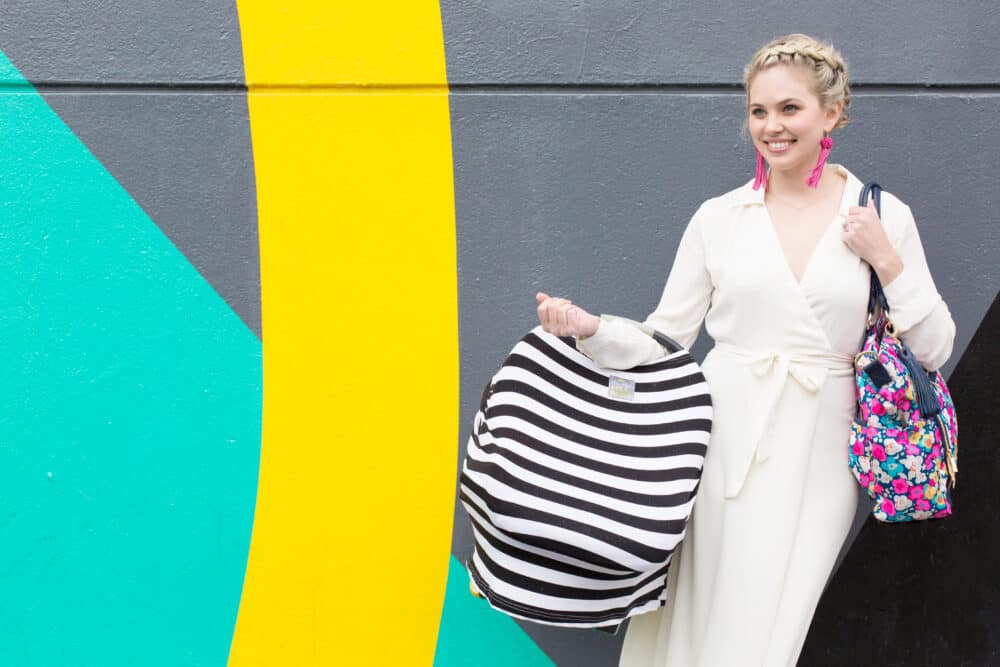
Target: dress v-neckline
799	282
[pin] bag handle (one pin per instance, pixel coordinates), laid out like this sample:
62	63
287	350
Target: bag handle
666	341
926	396
876	295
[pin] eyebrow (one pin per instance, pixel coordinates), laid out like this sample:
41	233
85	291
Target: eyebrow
784	101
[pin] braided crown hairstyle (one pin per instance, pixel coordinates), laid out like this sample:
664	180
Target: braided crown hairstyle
827	66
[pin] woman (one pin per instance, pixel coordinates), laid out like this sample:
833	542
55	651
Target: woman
779	272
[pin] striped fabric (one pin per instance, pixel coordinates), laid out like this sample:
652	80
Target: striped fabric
579	490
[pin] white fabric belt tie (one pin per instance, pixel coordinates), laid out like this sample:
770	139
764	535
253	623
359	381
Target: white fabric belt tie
808	369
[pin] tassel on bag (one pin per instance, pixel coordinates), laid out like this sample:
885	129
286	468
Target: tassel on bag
826	144
760	178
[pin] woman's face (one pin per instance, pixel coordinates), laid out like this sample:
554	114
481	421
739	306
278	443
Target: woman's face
786	119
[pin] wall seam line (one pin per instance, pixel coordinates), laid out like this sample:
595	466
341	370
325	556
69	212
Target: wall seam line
119	87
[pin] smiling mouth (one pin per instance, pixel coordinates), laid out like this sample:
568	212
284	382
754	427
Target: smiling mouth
779	146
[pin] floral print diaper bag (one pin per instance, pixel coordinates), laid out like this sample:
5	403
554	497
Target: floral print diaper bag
904	441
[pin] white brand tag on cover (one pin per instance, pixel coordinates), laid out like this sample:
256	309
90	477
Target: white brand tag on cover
621	388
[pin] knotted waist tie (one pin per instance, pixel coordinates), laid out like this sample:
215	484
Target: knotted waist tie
808	369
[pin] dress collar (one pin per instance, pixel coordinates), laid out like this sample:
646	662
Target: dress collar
747	196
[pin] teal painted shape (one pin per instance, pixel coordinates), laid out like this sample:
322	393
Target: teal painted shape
130	431
473	633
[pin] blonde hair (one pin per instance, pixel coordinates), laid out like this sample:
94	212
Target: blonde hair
829	71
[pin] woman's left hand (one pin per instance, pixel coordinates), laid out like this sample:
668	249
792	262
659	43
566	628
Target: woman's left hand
864	234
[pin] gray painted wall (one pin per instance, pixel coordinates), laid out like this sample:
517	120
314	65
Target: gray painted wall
124	41
571	179
672	41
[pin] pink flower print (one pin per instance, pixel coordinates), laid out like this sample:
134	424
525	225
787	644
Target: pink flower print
900	486
923	505
871	431
886	393
857	448
878	451
865	479
905	405
912	450
936	451
878	489
916	492
878	408
888	507
940	514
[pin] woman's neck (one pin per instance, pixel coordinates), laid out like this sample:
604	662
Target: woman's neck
792	187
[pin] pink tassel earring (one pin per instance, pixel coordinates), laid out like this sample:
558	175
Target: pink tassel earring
760	178
825	144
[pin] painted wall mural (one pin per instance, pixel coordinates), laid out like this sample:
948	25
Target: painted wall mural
259	260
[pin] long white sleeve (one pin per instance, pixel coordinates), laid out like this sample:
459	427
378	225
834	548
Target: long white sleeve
685	300
916	309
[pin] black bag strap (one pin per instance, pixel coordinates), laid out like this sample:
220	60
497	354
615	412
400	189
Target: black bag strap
664	340
926	396
876	296
667	342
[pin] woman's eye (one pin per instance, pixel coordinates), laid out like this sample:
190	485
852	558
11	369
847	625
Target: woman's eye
790	108
759	113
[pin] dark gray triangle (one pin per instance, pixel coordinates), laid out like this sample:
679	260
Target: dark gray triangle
187	160
928	593
130	81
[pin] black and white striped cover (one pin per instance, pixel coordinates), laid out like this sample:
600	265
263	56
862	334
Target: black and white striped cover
578	498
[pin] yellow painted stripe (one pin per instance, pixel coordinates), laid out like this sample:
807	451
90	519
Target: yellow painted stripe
318	42
350	549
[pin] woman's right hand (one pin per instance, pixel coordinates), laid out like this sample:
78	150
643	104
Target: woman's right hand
561	318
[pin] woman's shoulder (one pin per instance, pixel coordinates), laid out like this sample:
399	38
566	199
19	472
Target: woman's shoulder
892	205
896	217
721	208
738	196
891	202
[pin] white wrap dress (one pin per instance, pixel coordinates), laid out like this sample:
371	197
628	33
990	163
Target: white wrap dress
777	499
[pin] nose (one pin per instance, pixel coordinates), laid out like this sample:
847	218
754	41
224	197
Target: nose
773	125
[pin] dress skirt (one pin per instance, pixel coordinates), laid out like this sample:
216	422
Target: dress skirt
752	568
